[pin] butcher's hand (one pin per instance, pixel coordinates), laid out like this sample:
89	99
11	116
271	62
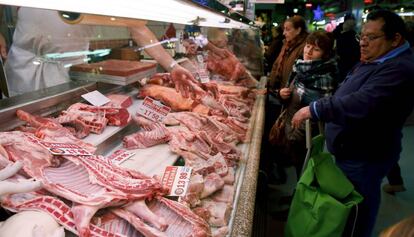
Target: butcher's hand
300	116
285	93
185	83
3	47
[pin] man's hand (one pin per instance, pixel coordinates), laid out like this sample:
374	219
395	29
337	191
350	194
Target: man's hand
300	116
285	93
3	47
185	83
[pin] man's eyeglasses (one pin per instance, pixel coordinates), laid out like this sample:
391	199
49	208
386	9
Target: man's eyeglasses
367	38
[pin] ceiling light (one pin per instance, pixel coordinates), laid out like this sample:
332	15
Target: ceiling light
155	10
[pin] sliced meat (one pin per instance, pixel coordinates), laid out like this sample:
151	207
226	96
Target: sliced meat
76	126
181	220
229	67
119	101
144	139
226	194
220	232
219	212
212	183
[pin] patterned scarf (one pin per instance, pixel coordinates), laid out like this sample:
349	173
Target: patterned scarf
314	79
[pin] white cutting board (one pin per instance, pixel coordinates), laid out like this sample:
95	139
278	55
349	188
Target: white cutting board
150	161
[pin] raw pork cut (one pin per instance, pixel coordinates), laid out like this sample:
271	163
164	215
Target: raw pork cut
229	67
119	101
59	210
94	181
144	139
167	96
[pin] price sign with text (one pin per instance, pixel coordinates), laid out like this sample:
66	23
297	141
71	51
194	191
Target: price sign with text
153	109
176	179
61	148
200	58
203	75
120	156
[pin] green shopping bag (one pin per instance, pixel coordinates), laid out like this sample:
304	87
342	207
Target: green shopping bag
323	198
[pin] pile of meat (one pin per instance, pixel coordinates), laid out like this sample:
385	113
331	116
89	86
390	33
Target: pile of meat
76	187
204	136
91	196
82	119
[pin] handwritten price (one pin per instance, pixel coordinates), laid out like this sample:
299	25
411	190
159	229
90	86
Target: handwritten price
176	178
151	115
153	110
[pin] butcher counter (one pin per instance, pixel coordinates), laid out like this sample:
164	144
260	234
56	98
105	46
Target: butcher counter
105	40
50	101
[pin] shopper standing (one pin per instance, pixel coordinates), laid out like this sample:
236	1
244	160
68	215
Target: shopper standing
365	117
347	47
295	33
274	48
313	77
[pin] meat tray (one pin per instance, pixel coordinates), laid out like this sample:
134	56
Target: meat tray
110	141
113	71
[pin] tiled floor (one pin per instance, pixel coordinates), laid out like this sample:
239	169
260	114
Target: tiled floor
393	207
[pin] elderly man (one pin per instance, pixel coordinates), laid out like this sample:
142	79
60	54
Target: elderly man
364	118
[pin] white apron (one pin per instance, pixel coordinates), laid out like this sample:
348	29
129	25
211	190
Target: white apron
39	32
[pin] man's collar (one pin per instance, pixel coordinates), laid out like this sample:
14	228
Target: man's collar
393	53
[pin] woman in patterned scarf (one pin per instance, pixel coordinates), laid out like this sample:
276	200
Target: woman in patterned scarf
312	77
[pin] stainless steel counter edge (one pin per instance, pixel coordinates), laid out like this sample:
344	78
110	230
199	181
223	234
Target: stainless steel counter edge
243	219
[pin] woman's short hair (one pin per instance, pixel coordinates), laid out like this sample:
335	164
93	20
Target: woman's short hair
323	40
298	22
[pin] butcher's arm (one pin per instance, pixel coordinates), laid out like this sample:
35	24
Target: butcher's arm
183	79
144	36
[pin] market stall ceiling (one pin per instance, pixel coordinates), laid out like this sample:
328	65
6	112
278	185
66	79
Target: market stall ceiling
175	11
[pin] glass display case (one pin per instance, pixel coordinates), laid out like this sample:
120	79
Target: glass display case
61	50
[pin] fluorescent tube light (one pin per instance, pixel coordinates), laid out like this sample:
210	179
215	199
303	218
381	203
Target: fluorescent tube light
175	11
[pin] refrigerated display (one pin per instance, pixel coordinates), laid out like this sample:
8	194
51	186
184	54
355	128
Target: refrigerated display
110	143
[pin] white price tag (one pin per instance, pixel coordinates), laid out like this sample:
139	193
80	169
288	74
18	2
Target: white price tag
61	148
120	156
96	98
153	109
176	179
200	58
203	75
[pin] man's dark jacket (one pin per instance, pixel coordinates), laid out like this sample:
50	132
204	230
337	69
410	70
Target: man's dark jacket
364	118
